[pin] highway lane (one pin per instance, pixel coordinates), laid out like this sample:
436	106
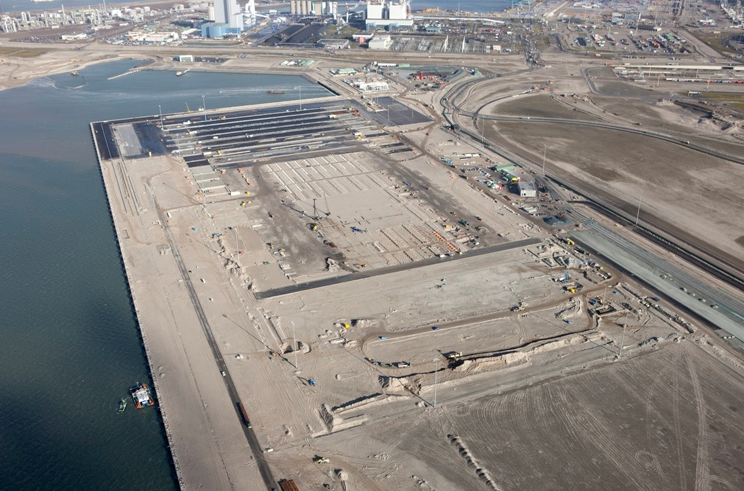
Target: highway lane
715	306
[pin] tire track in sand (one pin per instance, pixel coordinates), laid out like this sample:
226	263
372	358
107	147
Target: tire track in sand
702	468
677	425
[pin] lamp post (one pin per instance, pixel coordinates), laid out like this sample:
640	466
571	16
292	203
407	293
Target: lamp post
638	213
545	150
160	110
294	348
436	369
237	246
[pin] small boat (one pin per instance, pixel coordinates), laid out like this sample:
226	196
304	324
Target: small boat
74	73
275	91
122	405
141	396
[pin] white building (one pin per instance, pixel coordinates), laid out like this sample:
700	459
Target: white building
389	13
380	42
365	86
527	189
311	7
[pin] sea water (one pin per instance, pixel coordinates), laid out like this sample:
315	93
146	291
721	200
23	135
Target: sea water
70	345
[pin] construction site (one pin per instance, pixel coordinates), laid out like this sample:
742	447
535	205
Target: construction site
384	310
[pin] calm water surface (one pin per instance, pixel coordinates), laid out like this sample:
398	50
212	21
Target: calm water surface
469	5
70	344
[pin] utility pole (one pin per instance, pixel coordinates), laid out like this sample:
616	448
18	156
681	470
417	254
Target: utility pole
294	347
237	246
545	150
436	369
622	342
638	214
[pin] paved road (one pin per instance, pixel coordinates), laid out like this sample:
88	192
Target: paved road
250	435
715	305
651	268
394	269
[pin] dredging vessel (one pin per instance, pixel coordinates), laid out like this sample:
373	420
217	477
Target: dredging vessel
141	396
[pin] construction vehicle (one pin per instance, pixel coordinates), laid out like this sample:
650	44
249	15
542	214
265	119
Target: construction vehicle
313	226
322	460
518	308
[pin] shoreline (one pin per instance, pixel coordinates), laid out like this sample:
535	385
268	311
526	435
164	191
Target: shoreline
203	434
159	402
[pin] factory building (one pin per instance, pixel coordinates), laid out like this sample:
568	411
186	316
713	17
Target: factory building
380	42
395	13
310	7
8	24
229	12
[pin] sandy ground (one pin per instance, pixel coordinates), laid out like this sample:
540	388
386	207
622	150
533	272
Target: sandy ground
538	396
191	392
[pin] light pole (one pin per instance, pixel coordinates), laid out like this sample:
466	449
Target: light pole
204	108
622	342
237	246
160	110
638	213
545	150
300	89
294	348
436	369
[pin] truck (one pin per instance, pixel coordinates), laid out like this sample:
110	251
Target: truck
244	415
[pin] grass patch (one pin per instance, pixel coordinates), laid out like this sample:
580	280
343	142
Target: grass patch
721	97
715	41
23	52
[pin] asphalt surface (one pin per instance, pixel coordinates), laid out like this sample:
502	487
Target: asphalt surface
716	306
